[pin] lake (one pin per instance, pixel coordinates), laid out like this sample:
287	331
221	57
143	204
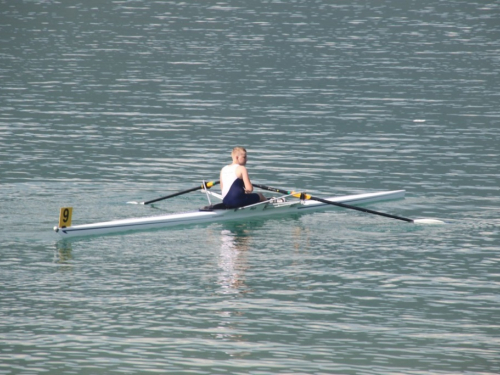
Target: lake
106	102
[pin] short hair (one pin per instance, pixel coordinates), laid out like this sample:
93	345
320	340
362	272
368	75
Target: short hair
238	149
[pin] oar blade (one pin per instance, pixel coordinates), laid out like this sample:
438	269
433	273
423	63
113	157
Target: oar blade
339	204
428	221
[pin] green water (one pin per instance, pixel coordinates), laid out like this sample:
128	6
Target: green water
107	102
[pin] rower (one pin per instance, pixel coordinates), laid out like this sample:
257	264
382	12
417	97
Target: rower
237	189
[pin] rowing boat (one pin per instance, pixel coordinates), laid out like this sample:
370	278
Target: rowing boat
276	206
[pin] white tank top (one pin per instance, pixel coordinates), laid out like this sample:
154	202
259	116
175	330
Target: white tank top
228	176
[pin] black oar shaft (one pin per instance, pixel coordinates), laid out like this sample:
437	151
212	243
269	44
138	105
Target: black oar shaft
362	209
307	196
207	185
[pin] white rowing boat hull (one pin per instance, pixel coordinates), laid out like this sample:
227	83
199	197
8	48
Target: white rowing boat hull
200	217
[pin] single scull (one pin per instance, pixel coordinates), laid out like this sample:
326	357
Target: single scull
273	207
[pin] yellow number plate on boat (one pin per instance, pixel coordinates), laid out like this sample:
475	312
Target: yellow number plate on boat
65	217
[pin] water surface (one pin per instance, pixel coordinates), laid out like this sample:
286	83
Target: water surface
102	103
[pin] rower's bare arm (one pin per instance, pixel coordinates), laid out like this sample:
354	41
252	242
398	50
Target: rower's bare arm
246	179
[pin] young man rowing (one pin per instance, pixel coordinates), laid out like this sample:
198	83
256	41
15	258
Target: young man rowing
235	183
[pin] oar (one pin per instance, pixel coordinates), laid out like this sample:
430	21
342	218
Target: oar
206	185
362	209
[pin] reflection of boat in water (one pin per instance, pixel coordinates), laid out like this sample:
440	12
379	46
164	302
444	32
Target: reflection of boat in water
232	266
63	254
232	260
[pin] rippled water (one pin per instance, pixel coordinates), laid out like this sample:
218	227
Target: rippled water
107	102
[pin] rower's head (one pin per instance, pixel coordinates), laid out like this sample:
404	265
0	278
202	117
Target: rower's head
239	155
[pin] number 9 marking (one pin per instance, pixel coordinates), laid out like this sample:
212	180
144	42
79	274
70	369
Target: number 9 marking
65	217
